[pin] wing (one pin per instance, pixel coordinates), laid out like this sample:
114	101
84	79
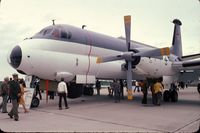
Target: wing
189	70
187	65
190	57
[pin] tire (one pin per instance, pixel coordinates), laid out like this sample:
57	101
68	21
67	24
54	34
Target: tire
198	88
88	91
74	90
174	96
35	102
166	96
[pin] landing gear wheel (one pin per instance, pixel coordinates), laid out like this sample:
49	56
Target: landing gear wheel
174	96
88	91
74	90
198	88
35	102
166	96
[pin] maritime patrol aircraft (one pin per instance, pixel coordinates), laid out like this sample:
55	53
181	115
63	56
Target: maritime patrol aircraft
82	56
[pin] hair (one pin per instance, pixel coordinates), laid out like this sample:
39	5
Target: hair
15	75
22	82
62	79
6	79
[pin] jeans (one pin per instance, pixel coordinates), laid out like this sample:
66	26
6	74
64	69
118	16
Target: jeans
62	95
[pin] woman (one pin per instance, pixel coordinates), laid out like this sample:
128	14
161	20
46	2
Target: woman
21	100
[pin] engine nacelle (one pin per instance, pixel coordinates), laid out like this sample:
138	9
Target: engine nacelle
136	60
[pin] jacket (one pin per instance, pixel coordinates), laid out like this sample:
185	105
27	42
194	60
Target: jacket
14	90
62	87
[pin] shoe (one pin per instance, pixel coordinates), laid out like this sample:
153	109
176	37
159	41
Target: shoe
16	119
10	116
5	112
26	111
66	107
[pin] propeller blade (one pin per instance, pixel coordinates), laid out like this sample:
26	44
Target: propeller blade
129	75
127	25
108	59
154	52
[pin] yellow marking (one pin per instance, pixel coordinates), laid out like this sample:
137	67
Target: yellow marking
99	60
164	51
130	95
127	19
167	51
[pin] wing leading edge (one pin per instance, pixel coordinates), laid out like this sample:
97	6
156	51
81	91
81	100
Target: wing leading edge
189	64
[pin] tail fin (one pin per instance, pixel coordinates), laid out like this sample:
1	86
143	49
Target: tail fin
176	48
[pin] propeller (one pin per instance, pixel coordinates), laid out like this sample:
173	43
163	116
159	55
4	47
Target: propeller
127	25
130	56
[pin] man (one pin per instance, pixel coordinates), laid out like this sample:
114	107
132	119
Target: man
144	89
137	86
122	88
14	95
158	91
4	93
62	91
9	99
98	86
37	88
116	87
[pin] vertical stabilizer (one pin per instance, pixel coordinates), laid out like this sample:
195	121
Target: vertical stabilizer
176	48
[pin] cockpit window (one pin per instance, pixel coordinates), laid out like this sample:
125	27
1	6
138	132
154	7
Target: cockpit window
65	35
56	33
45	31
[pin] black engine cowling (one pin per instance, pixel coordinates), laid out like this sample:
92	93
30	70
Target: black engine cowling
136	60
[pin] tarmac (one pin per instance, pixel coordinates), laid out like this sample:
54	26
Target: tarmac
101	114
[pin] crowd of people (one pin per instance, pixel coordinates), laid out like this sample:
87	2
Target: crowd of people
13	89
116	90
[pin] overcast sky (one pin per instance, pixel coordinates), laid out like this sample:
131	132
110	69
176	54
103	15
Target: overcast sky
151	21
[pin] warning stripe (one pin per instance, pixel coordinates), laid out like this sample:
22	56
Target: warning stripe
164	51
127	19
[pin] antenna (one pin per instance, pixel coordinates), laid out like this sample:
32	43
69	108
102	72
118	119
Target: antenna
53	21
83	26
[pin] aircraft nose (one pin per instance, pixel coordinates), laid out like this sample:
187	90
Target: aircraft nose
15	57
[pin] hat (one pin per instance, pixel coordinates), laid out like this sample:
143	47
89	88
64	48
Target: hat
14	74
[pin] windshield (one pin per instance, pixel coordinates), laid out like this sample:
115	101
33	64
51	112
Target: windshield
53	33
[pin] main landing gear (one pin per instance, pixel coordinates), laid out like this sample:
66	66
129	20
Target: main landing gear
76	90
171	94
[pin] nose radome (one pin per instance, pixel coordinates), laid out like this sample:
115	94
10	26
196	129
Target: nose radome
15	57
